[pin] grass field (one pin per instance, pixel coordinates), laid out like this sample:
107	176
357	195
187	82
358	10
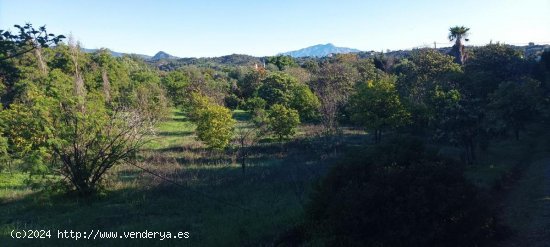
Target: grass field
216	203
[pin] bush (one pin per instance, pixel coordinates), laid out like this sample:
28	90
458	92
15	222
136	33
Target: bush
397	195
215	126
282	121
254	104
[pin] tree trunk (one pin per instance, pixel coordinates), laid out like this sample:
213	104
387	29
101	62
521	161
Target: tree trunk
243	164
40	59
457	51
377	136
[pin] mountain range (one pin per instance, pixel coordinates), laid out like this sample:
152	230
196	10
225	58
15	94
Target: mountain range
319	51
312	51
117	54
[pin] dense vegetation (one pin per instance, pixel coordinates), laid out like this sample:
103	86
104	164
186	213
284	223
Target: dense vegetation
70	120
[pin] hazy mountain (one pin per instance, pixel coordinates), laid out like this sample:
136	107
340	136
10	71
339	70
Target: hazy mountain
163	55
319	51
116	54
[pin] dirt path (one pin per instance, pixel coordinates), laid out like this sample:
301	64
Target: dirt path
527	208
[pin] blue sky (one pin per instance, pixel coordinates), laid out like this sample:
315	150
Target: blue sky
214	27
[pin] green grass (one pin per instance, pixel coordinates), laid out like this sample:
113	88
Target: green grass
526	207
12	185
502	156
176	130
209	205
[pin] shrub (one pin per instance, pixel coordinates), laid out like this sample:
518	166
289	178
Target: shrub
232	101
397	195
283	121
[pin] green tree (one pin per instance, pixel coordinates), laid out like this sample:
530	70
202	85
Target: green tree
176	83
215	124
250	83
514	104
281	88
419	77
14	45
276	88
377	107
491	65
305	102
88	140
27	126
282	121
333	84
281	61
459	121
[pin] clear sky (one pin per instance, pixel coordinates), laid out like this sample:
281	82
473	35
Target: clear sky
214	27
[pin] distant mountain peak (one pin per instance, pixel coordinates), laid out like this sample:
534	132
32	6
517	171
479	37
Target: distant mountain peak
162	55
320	50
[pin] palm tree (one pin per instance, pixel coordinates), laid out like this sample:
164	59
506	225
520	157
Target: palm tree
457	33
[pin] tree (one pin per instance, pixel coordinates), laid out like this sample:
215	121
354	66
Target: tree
305	102
376	106
457	33
249	84
232	101
16	45
245	138
425	70
419	77
28	39
276	88
215	124
282	121
89	141
333	85
281	61
281	88
491	65
459	120
515	104
176	83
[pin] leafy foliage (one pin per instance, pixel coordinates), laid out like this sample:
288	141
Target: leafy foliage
514	104
489	66
215	124
28	39
283	89
376	105
281	61
282	121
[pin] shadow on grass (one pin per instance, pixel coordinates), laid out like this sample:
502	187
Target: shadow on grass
175	133
273	189
179	113
219	207
242	116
